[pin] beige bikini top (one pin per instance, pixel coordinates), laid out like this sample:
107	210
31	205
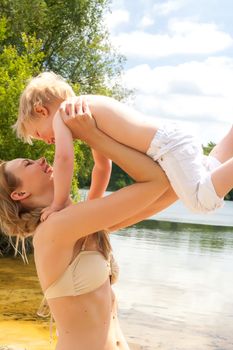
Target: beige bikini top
87	272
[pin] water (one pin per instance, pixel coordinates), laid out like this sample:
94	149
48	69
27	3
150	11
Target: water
176	287
175	290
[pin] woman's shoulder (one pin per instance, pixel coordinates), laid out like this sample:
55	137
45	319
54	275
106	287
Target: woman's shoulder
45	230
39	234
55	230
47	250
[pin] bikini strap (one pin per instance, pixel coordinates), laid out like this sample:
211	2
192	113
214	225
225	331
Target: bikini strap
84	244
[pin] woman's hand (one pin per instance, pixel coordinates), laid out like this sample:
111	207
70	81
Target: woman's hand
76	115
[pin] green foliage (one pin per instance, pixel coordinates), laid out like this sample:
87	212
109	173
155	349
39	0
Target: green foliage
207	149
66	36
118	179
75	41
14	70
84	163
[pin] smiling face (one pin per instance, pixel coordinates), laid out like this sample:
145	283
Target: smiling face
35	187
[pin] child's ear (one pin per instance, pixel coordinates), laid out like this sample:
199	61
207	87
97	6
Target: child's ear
41	110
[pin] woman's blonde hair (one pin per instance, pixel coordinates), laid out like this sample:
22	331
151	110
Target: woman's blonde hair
16	220
42	90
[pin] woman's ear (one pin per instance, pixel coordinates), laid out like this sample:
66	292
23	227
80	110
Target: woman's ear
41	110
19	195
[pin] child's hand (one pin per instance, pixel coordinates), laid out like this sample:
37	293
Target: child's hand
76	115
46	212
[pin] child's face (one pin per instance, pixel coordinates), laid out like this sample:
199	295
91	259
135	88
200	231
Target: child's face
41	128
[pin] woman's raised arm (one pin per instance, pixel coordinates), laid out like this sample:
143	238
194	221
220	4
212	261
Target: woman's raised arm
85	218
161	203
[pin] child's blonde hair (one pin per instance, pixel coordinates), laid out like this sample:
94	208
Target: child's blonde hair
42	90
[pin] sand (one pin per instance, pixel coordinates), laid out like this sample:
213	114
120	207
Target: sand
21	335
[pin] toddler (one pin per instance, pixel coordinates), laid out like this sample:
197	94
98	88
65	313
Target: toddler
39	118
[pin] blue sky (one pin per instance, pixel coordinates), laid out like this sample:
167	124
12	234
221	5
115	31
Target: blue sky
179	60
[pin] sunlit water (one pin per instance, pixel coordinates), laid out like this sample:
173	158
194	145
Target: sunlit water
176	286
175	290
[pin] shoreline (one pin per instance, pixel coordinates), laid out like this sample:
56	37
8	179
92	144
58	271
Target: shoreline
178	213
34	335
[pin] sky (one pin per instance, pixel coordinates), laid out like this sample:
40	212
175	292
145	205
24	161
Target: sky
179	60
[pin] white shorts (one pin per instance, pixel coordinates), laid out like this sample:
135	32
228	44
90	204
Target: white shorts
188	170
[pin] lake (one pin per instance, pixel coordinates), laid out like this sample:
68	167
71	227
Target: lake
175	290
176	286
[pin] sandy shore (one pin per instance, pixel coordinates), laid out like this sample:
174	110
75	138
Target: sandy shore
6	347
21	335
26	335
141	333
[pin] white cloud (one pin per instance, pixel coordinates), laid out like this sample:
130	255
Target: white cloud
212	77
183	37
117	17
167	7
199	92
146	22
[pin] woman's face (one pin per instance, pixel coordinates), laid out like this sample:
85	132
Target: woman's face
36	181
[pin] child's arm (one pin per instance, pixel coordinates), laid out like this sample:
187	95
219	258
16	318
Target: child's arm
102	166
63	166
100	175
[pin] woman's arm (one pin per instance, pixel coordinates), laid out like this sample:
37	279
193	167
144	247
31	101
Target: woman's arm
168	198
82	219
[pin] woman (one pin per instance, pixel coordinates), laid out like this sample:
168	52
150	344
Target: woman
73	272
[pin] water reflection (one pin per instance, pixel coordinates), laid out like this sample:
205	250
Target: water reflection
177	235
176	285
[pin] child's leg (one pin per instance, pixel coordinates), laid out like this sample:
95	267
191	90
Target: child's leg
222	178
223	151
181	157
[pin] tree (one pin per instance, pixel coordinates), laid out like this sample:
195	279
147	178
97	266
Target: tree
14	70
70	39
75	42
66	36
